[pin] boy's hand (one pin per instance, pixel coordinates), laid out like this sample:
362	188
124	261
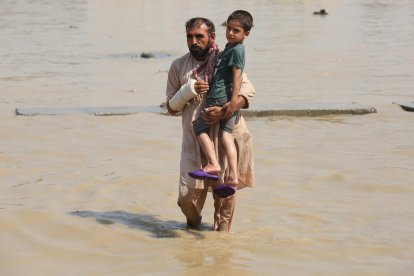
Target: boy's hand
201	87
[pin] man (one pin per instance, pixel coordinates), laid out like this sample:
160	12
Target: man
186	87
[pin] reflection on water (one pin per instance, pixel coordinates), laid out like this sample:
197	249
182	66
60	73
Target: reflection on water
149	223
157	228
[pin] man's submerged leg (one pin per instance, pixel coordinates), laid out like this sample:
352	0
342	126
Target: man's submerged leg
191	204
223	214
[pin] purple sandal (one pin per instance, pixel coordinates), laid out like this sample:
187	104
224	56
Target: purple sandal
200	174
224	190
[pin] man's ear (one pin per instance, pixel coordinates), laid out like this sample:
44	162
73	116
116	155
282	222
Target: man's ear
213	36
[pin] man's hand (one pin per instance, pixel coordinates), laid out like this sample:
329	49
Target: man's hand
201	87
229	109
212	114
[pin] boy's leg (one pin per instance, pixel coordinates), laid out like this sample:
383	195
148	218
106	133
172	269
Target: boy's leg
230	148
231	154
212	166
201	130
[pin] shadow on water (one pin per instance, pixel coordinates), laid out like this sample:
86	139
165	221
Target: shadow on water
149	223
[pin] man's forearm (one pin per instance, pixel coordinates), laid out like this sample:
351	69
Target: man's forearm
241	102
181	97
170	111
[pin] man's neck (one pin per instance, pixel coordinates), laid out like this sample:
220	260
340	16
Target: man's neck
204	58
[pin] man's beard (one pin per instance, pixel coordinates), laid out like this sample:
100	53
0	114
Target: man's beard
198	52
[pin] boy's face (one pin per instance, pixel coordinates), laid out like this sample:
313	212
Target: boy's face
235	32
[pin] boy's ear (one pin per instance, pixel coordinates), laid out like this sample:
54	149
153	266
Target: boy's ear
246	34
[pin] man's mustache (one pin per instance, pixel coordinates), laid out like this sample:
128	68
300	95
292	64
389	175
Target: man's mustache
195	47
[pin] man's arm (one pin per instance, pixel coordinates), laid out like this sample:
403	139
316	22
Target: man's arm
179	93
173	86
186	92
247	91
181	96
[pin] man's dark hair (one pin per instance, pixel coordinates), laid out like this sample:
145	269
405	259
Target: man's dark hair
244	17
198	21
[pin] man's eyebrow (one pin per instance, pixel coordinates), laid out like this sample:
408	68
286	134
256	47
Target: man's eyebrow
196	35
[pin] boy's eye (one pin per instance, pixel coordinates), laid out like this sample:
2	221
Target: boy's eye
234	30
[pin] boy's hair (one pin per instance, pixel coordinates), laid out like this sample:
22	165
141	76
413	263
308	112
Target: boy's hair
198	21
244	17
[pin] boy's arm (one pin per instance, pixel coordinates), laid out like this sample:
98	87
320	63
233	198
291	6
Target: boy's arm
232	106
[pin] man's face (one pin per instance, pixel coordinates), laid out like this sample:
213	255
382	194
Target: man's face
199	41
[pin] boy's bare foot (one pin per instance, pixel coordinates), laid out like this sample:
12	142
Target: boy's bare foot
212	169
232	181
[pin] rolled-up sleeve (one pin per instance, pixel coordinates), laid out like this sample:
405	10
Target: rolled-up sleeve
247	90
173	82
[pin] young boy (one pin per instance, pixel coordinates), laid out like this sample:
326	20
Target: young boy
224	91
